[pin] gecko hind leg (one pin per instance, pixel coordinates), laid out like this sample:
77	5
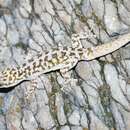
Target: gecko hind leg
30	90
68	81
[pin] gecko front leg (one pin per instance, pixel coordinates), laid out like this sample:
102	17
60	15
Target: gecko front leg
75	39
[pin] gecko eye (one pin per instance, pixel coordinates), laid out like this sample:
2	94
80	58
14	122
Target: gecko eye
1	85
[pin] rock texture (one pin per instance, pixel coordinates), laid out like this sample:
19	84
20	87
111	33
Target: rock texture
101	99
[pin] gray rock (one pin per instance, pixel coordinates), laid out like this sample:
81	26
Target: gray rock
101	98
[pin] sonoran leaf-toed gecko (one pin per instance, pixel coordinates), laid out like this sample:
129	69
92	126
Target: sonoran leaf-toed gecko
62	58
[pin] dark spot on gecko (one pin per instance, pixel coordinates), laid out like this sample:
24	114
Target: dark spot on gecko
60	55
46	52
72	54
55	49
74	40
54	55
20	73
5	75
89	51
63	53
17	68
50	62
80	49
14	74
40	60
4	79
34	66
45	58
29	73
31	60
13	69
64	48
24	71
42	67
23	65
10	72
80	54
40	63
39	55
10	78
28	69
45	66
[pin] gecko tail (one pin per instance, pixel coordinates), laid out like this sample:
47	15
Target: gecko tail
107	48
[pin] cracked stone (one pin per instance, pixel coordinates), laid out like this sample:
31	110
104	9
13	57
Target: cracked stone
74	118
28	121
28	27
113	82
44	118
111	18
60	110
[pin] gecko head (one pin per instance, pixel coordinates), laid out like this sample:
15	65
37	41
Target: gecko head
2	80
5	85
7	78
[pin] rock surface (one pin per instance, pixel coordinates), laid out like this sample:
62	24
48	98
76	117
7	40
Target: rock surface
101	99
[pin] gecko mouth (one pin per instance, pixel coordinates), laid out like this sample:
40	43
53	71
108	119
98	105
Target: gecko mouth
3	88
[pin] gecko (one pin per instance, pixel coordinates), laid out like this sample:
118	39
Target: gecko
62	58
